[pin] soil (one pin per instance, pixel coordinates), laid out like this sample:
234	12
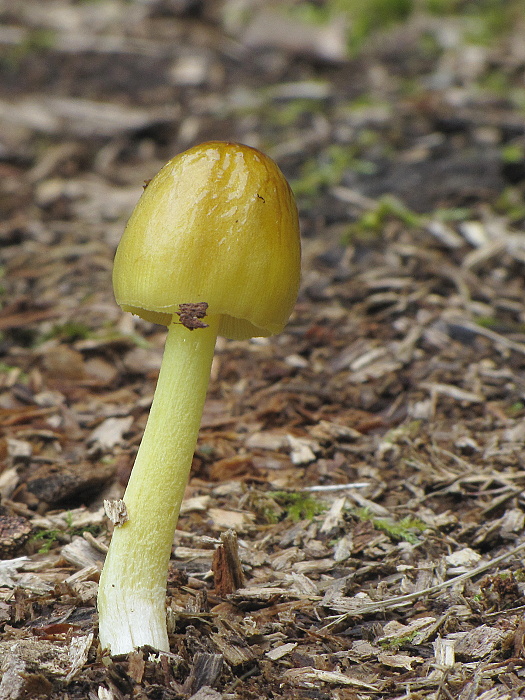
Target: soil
354	524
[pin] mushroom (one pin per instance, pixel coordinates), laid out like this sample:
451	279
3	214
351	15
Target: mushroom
211	248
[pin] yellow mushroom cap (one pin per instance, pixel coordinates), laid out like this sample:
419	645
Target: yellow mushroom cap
217	224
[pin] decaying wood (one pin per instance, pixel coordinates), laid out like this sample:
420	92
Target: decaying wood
226	566
204	672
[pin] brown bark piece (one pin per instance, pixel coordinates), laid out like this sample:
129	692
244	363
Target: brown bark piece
54	483
226	565
14	531
136	666
204	672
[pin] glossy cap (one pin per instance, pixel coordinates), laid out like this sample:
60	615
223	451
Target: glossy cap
218	224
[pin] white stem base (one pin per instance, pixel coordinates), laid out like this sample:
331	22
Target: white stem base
133	621
132	589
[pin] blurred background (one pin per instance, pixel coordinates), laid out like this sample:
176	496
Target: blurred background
400	125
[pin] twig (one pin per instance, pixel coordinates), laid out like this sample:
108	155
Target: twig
401	600
338	487
487	333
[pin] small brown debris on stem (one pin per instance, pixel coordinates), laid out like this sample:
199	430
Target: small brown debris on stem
116	512
190	315
226	565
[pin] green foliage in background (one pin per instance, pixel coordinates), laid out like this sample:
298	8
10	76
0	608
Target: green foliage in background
326	170
50	538
485	18
298	506
405	529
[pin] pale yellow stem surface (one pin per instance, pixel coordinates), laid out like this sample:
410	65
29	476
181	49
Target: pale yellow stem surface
132	589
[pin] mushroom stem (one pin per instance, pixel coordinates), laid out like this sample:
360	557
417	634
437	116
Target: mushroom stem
132	589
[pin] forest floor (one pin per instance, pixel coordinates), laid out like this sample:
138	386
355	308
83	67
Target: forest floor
370	458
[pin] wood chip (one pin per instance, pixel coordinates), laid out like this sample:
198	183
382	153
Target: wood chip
33	584
136	666
206	693
311	677
54	483
204	672
444	652
81	554
189	553
226	565
399	660
231	519
334	517
14	531
478	642
195	504
453	392
233	653
78	654
280	651
302	450
80	117
267	441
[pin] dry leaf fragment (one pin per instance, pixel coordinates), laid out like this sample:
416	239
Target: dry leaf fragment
63	363
231	468
111	432
101	370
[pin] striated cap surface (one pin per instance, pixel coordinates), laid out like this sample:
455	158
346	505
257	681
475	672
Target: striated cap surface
217	224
